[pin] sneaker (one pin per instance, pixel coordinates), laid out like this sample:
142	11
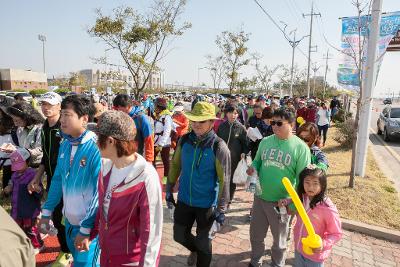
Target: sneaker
38	250
63	260
43	236
192	259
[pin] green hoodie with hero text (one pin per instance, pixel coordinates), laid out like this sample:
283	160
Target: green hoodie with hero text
277	158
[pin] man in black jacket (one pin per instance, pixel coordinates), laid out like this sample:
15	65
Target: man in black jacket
234	135
51	107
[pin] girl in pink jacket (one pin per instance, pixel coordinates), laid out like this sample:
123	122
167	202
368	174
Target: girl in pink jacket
323	215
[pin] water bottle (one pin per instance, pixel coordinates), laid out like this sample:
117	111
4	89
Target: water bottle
214	229
252	183
171	212
283	214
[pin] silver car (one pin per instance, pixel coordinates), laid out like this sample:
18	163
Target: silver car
389	122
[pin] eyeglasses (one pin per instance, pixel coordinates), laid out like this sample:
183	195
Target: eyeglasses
199	122
277	123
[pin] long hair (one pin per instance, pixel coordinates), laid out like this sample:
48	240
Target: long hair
320	174
6	123
26	112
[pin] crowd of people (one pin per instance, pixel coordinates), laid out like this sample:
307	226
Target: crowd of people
97	159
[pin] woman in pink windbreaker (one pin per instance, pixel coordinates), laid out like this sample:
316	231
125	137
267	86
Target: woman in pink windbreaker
322	213
130	215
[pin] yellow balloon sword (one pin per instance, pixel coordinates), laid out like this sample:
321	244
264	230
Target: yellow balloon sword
312	240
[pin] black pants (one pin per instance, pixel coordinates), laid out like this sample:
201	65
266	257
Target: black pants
232	189
6	175
184	218
57	219
323	131
164	157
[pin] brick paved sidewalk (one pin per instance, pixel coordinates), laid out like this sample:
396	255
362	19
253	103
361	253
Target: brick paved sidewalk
231	247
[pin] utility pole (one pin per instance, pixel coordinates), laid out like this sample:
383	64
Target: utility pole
198	75
315	68
326	72
368	81
312	14
293	43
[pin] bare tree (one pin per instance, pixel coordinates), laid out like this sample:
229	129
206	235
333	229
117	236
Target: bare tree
299	79
264	73
359	61
216	67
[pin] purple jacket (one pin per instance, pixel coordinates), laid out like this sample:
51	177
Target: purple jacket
24	205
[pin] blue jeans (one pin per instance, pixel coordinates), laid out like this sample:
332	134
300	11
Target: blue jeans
82	259
301	261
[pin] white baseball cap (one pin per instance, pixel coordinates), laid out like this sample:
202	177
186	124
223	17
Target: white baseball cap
51	98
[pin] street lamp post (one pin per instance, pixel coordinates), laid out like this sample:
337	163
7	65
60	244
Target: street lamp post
198	75
105	67
42	38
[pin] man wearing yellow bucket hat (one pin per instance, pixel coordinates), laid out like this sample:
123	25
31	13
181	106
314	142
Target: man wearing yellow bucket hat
202	163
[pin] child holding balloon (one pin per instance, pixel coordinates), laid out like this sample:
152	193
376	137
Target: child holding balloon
323	215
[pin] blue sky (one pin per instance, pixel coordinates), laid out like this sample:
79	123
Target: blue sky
69	48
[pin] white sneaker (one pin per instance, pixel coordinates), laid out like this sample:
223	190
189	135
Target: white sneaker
38	250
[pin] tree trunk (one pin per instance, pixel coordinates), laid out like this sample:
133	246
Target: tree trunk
354	147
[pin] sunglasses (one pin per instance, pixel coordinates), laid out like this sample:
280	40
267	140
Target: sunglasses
201	122
277	123
306	140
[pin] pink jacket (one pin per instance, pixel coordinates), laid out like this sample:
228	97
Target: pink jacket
131	233
325	219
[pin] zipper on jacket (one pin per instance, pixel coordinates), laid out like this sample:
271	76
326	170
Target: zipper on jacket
191	175
301	231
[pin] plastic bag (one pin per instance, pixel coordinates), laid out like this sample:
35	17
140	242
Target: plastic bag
240	175
254	134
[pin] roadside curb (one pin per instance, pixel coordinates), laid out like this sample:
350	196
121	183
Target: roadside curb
371	230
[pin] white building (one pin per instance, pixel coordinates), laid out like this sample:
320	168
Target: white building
100	78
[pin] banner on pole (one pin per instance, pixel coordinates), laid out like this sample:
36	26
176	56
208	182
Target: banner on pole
348	73
394	44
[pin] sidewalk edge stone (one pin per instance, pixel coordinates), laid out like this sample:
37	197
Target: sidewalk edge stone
371	230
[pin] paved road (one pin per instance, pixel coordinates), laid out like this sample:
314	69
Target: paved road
387	154
231	247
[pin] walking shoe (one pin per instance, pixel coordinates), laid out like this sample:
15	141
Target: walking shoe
63	260
192	259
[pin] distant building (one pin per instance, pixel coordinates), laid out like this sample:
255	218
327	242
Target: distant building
15	79
100	78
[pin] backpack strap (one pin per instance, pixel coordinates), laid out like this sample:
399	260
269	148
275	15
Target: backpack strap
183	139
38	131
215	144
14	137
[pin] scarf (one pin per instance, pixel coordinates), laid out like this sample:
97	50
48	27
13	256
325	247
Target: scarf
73	140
